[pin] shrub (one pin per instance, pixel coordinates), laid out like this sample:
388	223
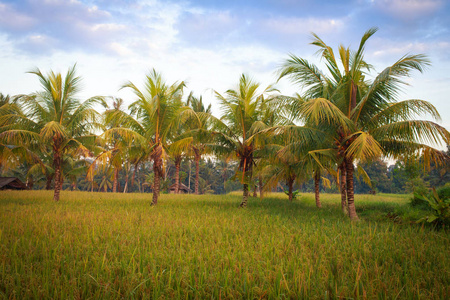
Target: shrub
294	194
419	188
440	209
444	192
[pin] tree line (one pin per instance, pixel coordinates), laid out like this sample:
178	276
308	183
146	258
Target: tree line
341	120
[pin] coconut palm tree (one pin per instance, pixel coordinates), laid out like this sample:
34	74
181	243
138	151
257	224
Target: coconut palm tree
157	110
363	118
237	130
282	165
179	147
200	132
114	150
55	117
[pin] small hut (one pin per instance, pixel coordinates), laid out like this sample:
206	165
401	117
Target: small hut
183	189
11	183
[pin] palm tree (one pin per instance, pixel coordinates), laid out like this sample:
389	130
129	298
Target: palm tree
282	165
55	117
178	148
363	118
237	130
10	155
156	111
114	150
200	131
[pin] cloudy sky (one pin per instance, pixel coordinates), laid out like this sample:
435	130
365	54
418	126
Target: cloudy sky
209	43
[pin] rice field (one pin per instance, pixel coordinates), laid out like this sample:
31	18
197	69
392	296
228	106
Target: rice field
115	246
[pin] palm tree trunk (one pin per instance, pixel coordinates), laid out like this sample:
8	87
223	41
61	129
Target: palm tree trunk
197	169
261	195
105	187
317	189
245	197
30	183
133	177
156	188
126	183
350	191
177	174
343	187
255	194
189	178
48	185
291	189
57	166
115	180
157	171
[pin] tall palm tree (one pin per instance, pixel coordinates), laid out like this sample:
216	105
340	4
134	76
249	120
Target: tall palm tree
156	111
179	147
239	126
363	118
200	132
55	117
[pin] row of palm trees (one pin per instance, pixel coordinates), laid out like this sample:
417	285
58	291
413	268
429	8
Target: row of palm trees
340	118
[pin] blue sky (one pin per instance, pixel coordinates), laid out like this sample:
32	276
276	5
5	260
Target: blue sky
210	43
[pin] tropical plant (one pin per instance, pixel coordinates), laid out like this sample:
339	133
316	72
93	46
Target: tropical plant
440	209
237	130
362	118
114	150
157	110
200	131
54	117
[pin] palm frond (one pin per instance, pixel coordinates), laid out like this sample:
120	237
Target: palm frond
363	146
417	131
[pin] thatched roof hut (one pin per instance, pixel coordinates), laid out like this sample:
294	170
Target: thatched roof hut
183	189
11	183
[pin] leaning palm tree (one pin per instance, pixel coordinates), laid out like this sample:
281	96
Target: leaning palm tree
55	117
156	111
363	118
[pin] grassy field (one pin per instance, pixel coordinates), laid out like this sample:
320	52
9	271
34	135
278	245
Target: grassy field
97	245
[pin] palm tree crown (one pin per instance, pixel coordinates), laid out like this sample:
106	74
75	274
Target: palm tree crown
55	118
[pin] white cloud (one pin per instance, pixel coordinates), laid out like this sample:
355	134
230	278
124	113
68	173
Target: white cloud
120	49
294	26
387	51
110	27
409	9
14	20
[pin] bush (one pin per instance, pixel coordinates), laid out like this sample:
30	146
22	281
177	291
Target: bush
418	201
444	192
419	188
440	209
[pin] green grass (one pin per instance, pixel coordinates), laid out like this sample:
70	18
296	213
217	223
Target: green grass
96	245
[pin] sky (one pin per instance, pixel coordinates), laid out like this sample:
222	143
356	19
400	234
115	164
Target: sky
209	44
